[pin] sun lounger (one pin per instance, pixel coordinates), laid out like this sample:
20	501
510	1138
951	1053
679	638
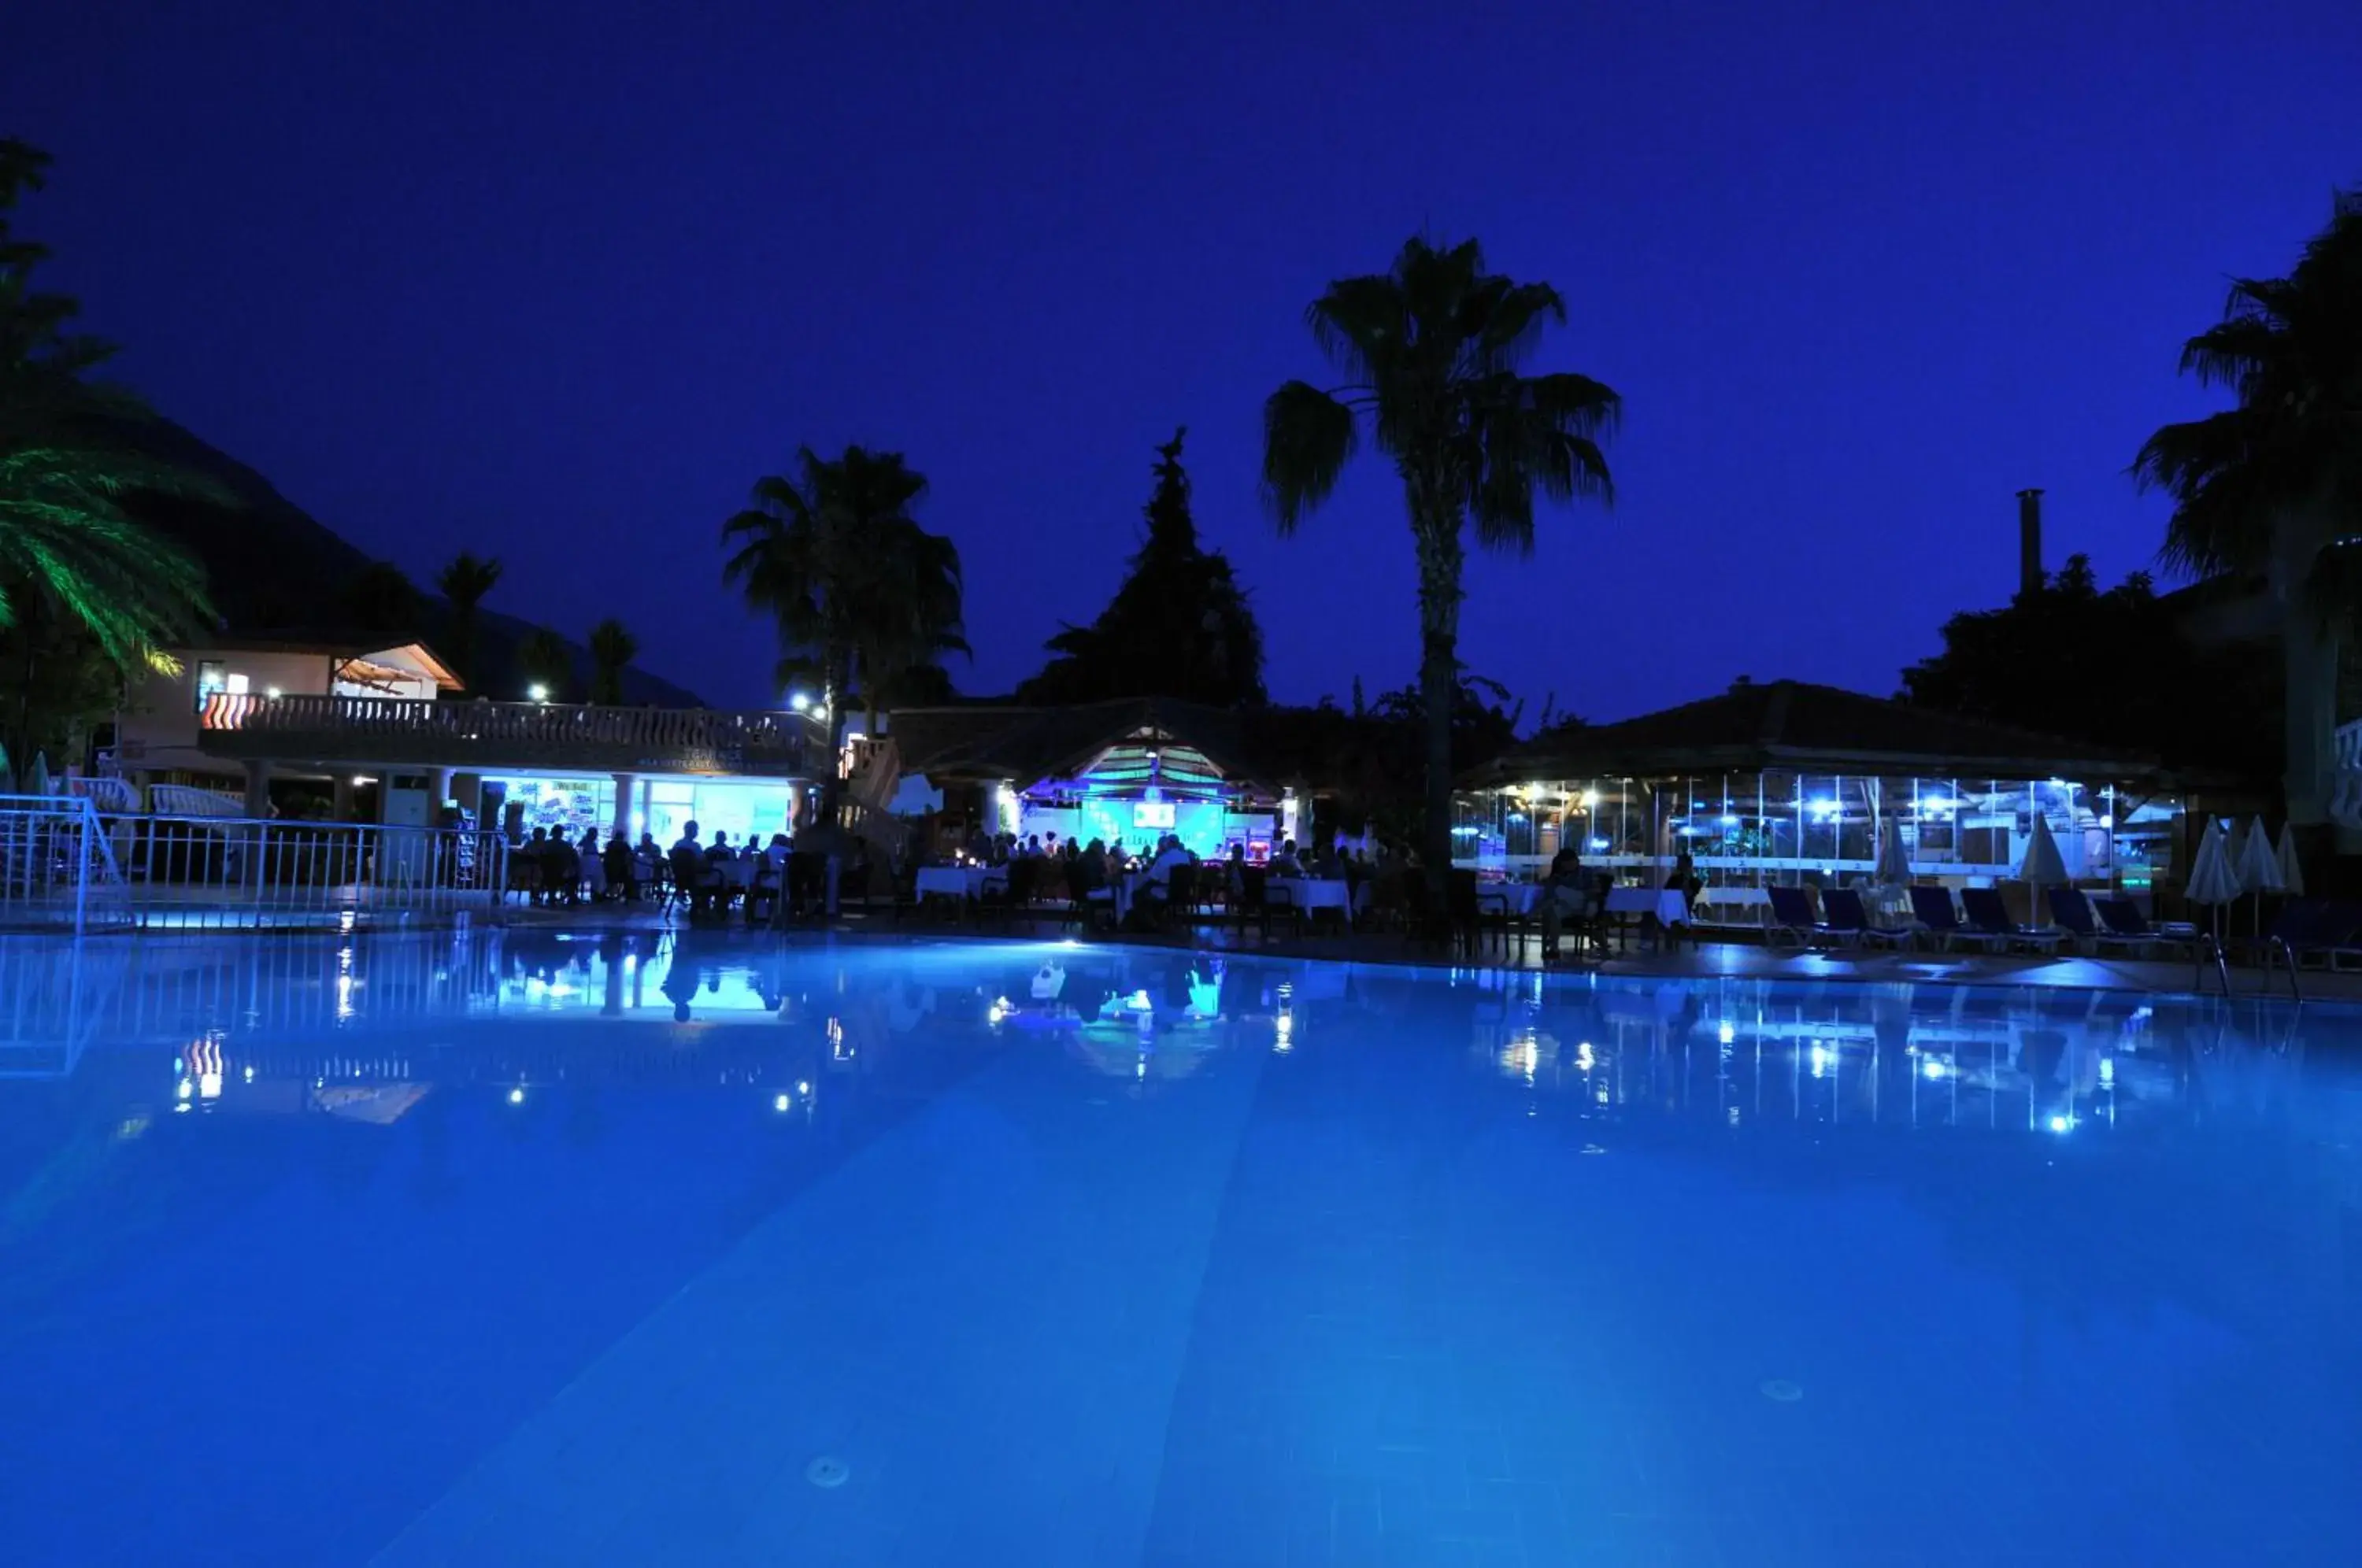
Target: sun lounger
1791	916
2325	929
1937	918
1846	915
2073	913
2125	923
1989	917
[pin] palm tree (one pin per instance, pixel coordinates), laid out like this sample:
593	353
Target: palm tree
546	662
1430	355
855	586
2272	487
69	462
463	583
613	647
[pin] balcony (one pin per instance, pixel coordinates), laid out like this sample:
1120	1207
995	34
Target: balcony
477	737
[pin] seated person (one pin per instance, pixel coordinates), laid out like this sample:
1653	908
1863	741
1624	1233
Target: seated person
622	871
1566	891
1284	862
1169	854
561	868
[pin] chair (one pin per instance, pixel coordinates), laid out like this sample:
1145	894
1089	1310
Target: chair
1792	915
1253	900
1989	917
1467	917
1180	896
1016	895
1849	919
690	873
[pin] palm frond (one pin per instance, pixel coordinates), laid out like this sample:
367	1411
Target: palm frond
1307	436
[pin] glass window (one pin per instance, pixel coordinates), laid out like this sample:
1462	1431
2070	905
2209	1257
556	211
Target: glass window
212	677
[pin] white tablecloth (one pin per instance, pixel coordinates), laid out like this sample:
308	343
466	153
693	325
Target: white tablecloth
1508	898
1668	906
958	881
1742	903
1307	892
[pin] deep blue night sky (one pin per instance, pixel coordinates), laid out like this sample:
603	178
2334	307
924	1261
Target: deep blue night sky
560	280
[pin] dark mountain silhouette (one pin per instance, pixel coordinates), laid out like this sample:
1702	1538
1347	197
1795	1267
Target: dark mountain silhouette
276	571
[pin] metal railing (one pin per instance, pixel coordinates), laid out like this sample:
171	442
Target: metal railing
63	865
457	734
58	869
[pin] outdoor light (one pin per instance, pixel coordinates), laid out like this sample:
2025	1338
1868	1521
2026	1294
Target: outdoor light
799	700
537	692
2060	1123
780	1103
1932	1067
516	1096
271	692
1728	820
1590	799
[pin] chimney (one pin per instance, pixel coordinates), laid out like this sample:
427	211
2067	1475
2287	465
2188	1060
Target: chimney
2030	541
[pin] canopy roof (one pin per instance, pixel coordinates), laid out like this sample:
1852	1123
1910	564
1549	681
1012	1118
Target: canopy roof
1025	745
364	659
1795	725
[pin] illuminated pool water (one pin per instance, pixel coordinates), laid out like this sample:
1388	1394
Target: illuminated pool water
421	1250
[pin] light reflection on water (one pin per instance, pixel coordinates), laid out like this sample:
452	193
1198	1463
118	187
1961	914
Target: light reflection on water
237	1014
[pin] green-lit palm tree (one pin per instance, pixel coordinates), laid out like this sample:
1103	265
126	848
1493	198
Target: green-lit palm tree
69	461
463	582
855	586
1431	357
612	648
2272	486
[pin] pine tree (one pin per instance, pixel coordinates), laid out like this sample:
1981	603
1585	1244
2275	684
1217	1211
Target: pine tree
1180	626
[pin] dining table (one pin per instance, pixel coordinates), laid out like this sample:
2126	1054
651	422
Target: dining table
1669	905
962	882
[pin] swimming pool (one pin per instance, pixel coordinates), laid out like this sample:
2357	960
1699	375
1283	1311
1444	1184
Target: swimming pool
450	1250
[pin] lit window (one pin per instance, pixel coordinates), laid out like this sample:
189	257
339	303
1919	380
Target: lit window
210	679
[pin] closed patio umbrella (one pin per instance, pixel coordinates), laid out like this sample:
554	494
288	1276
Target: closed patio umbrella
2258	865
2214	879
2042	867
1893	869
37	777
2292	874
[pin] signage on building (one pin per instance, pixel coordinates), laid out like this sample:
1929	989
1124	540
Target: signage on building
719	760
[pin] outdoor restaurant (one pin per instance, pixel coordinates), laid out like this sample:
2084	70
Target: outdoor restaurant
1787	783
1127	773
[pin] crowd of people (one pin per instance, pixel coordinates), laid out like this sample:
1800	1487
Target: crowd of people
709	876
1061	868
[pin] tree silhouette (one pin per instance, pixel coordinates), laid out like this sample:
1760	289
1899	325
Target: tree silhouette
612	648
1178	627
464	582
1430	352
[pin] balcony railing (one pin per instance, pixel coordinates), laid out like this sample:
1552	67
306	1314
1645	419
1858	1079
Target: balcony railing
469	735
